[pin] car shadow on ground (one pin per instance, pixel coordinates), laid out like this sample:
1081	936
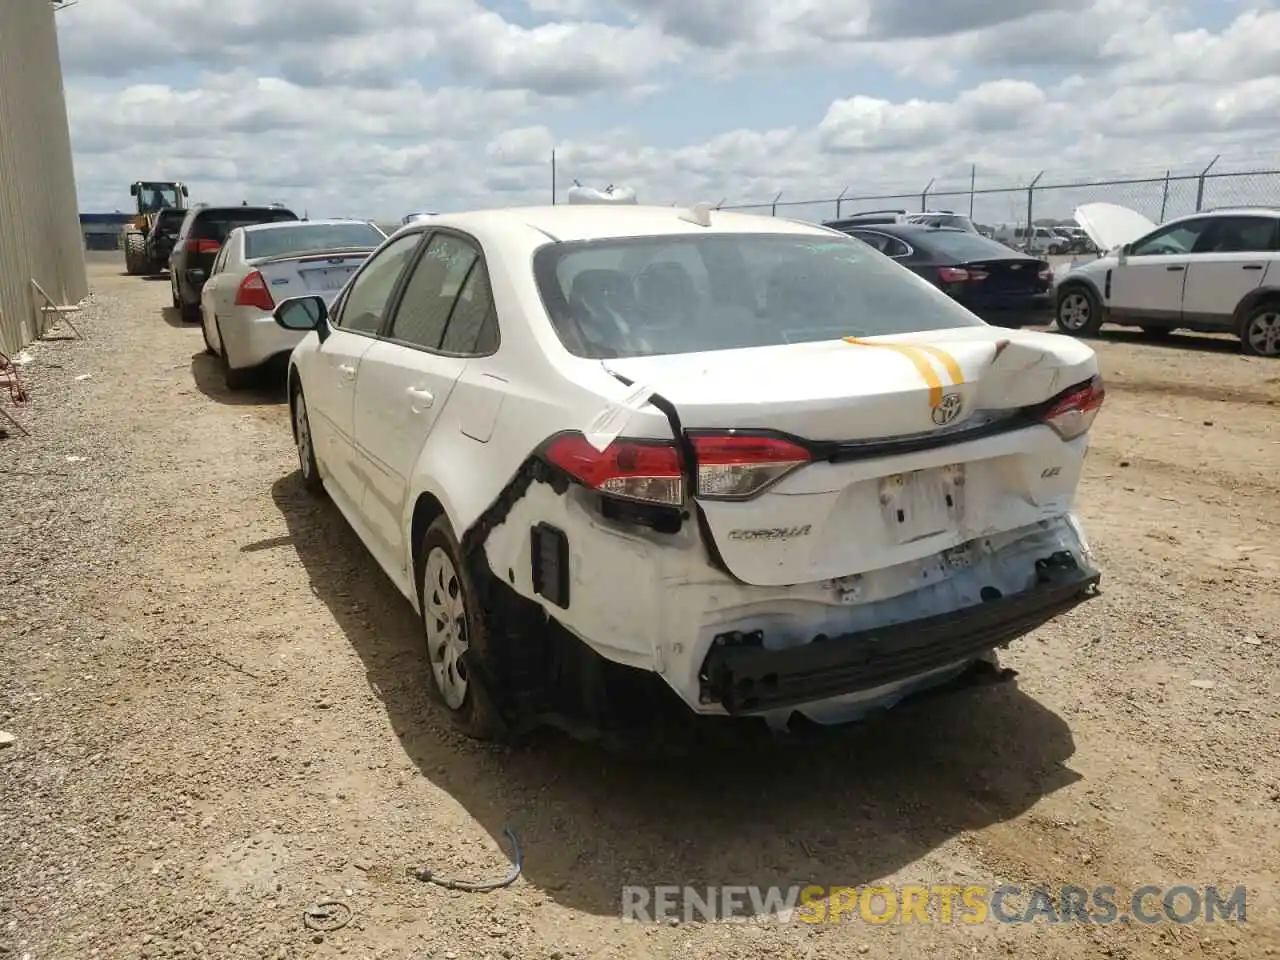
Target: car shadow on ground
268	388
173	317
842	808
1204	342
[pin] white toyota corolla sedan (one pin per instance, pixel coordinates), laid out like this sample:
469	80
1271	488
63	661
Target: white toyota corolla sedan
262	264
637	461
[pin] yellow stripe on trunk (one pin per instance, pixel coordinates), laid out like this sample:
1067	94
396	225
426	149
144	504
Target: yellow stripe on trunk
947	361
918	357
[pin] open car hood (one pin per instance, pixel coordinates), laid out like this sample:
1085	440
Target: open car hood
1110	225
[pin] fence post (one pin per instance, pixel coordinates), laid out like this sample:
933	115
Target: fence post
840	200
1200	184
774	207
973	186
1164	199
924	196
1031	201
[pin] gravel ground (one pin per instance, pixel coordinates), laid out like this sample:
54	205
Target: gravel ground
217	715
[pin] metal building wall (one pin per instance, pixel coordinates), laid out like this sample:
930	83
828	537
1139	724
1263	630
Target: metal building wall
40	234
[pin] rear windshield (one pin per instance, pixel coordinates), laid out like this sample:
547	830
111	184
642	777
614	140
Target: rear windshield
964	246
306	237
216	224
684	294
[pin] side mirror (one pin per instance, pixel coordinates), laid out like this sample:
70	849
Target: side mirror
303	314
184	191
133	189
1123	253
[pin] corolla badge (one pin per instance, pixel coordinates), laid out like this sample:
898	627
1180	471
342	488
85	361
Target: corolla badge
948	409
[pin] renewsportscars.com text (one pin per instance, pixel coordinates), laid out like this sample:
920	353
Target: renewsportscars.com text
970	904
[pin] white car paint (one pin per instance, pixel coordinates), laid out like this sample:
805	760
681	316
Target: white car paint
247	335
1210	274
920	528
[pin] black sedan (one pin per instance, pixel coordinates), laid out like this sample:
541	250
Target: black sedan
1004	287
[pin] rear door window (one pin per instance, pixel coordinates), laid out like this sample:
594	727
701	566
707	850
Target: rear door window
1239	235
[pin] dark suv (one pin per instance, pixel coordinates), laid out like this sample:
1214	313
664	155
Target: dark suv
200	238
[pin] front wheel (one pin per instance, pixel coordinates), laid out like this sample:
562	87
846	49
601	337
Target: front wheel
307	464
456	637
1079	313
1260	334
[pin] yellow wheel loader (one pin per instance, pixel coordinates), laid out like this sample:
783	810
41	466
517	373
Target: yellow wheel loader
141	255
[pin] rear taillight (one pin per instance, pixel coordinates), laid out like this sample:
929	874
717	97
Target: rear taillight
203	246
739	466
1046	273
643	470
960	274
1073	414
731	466
253	292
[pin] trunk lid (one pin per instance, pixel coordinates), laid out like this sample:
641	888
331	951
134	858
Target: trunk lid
898	472
314	273
1110	225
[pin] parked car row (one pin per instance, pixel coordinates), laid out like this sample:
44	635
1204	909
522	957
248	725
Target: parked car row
615	456
229	265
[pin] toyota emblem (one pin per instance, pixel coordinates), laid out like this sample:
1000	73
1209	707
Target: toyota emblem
947	410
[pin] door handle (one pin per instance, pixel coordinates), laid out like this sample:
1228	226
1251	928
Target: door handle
418	396
1252	266
1171	269
347	370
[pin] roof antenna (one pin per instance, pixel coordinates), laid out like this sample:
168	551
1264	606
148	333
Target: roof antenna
699	215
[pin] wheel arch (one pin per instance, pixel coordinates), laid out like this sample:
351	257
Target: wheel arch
1250	302
1069	282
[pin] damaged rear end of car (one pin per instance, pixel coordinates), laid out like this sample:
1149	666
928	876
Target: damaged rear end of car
810	523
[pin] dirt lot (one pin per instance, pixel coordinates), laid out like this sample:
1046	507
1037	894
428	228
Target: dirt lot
217	710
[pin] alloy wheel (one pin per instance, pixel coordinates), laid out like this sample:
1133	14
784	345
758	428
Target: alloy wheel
1263	333
445	623
1074	311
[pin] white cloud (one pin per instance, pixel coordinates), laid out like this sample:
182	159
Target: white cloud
391	105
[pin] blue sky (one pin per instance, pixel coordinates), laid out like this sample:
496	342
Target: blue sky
391	105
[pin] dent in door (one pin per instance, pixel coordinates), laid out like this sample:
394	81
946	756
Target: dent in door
481	406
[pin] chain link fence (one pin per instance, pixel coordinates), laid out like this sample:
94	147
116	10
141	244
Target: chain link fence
1157	194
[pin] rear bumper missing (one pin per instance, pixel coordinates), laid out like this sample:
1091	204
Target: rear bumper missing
745	678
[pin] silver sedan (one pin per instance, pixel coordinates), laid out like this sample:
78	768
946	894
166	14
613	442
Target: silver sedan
259	266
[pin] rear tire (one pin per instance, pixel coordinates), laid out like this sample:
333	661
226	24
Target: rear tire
233	378
1078	312
1260	332
208	344
455	636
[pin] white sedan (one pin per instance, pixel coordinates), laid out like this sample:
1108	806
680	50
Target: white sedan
638	461
262	264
